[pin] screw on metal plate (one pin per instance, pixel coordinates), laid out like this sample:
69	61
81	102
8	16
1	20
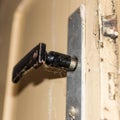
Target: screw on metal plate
109	26
72	112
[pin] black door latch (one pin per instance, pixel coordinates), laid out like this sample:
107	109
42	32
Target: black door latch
38	56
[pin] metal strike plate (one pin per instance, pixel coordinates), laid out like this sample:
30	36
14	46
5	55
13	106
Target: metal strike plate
73	107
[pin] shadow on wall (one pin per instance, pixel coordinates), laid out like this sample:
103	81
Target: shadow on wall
36	77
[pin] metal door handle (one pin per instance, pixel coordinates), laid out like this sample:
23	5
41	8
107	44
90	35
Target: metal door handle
38	56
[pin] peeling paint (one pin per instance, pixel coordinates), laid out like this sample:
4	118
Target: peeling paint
109	26
113	6
108	43
112	85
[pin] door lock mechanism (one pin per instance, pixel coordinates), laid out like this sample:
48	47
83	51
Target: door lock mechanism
38	56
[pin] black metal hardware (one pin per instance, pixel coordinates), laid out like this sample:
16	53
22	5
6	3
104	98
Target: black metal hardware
38	56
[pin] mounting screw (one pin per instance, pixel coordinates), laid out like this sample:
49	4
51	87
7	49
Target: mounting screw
73	112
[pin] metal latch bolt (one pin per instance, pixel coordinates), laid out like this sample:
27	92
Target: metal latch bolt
38	56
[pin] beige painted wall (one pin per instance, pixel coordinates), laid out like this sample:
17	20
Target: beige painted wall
7	9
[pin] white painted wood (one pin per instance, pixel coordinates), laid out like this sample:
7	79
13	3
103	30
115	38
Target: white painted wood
108	66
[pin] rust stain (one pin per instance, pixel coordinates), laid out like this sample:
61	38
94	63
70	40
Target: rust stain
109	26
106	109
116	52
89	70
105	119
101	45
101	59
109	75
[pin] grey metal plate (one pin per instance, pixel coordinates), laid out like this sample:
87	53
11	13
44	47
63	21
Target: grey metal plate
73	107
